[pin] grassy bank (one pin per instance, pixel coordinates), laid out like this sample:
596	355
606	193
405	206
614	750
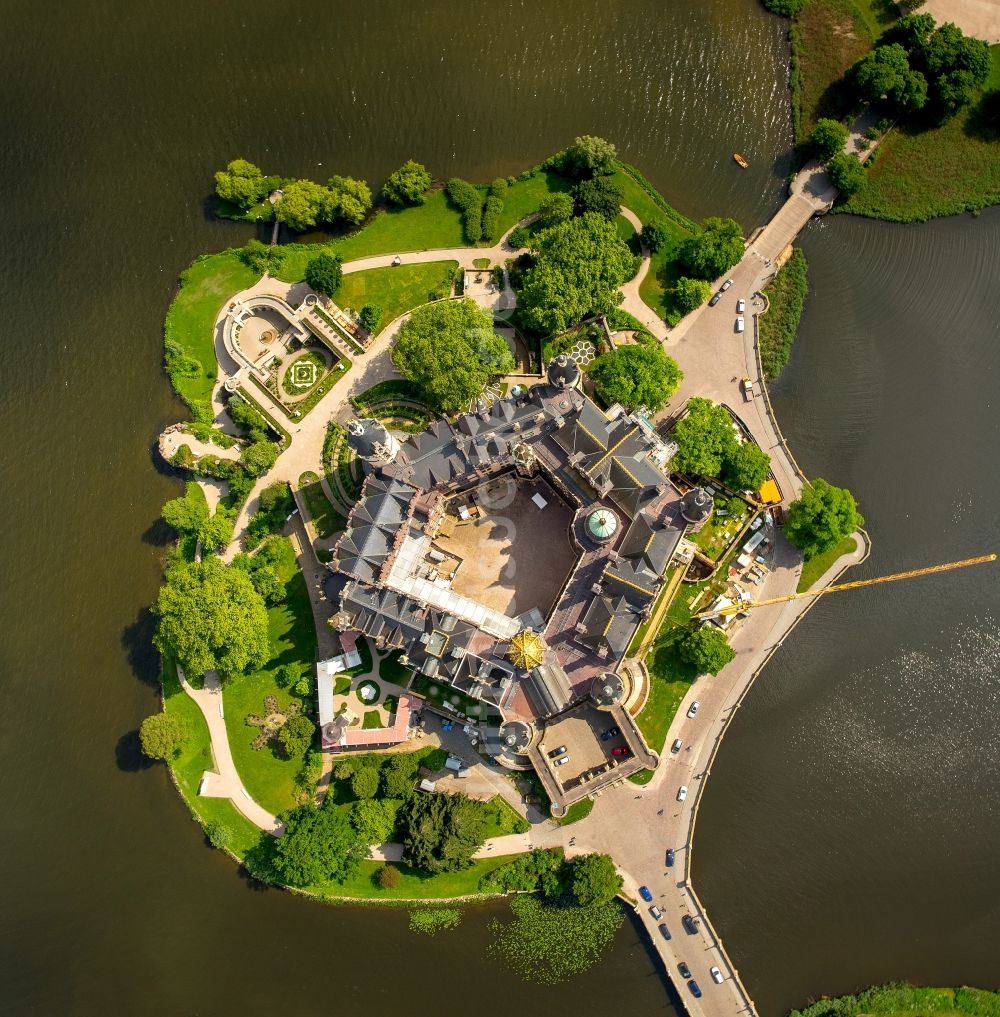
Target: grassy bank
776	329
815	567
397	290
907	1001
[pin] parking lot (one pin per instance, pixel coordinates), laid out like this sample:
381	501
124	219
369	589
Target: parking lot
580	730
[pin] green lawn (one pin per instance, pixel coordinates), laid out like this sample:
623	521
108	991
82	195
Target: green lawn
525	196
815	567
205	287
396	290
577	811
908	1001
502	819
661	707
643	777
267	774
392	671
325	517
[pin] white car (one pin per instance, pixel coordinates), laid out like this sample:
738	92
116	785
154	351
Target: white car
682	792
740	324
563	761
693	708
716	975
741	305
726	285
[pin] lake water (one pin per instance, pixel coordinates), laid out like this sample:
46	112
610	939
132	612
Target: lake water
114	117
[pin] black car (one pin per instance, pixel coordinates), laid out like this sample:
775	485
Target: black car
695	991
715	299
690	924
664	931
684	970
670	857
612	732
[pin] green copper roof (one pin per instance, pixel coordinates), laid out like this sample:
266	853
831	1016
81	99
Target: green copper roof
602	523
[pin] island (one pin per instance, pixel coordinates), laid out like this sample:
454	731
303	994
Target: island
481	498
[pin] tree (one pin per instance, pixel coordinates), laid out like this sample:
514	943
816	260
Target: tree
388	877
948	49
364	783
821	518
912	31
318	845
398	776
371	318
216	532
656	235
451	351
406	185
555	209
247	418
324	273
211	616
346	199
344	770
242	183
600	195
714	250
589	156
296	735
518	238
828	138
746	467
640	375
187	514
886	71
707	649
953	92
705	438
266	582
375	821
579	267
259	457
162	735
595	880
302	204
846	174
787	8
690	294
441	833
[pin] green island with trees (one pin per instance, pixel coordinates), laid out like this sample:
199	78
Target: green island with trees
902	1000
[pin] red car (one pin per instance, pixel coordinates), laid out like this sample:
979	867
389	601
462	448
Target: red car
621	751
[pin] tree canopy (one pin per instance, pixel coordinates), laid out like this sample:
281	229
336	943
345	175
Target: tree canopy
746	467
690	294
705	438
406	185
595	880
375	820
441	832
242	183
364	783
449	348
589	156
259	456
578	269
324	273
162	735
656	234
714	250
318	845
296	735
187	514
371	318
886	71
555	209
846	174
600	195
211	616
707	650
346	200
640	375
302	204
821	518
828	138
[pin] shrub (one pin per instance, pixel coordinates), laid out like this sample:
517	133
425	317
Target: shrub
258	457
388	877
406	185
656	234
364	783
162	735
255	256
247	418
602	195
491	218
555	209
343	771
371	318
296	736
519	237
324	273
787	8
218	835
846	174
468	201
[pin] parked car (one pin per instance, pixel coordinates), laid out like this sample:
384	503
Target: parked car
645	894
563	761
676	747
715	299
740	323
693	708
684	970
716	975
621	750
656	912
612	732
748	392
695	990
690	923
682	792
726	285
670	857
664	931
741	306
557	752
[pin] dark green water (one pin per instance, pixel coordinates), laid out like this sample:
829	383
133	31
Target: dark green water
114	117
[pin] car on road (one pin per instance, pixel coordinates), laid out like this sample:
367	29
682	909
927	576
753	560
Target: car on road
726	285
693	708
741	306
684	970
612	732
664	931
740	323
748	390
715	299
656	913
690	924
695	990
670	857
557	752
622	751
645	894
682	792
716	975
676	747
563	761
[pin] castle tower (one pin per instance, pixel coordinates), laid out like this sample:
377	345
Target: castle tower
372	442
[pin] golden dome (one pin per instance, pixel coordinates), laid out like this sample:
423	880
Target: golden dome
526	650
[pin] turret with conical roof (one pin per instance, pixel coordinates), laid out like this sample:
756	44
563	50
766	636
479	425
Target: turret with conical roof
370	440
563	371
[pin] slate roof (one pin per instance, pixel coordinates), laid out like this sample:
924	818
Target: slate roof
609	623
363	549
651	544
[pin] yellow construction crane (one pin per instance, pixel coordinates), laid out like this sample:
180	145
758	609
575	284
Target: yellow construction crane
857	584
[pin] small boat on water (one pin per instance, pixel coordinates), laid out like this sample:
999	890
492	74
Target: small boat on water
740	161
